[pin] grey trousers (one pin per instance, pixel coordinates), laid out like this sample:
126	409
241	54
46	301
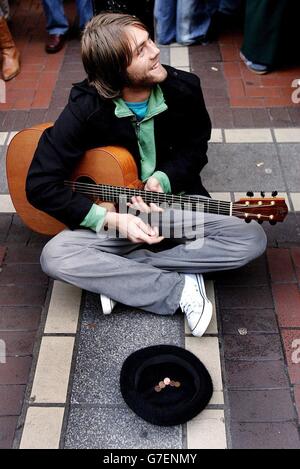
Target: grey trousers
150	276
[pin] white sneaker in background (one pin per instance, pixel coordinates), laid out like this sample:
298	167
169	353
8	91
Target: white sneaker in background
195	304
107	304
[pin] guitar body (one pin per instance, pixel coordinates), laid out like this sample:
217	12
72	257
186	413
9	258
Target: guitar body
106	165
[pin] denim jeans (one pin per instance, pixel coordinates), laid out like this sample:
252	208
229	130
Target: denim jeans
185	21
57	22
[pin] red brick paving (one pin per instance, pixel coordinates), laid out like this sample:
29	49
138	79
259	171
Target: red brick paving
295	252
297	399
7	431
33	87
19	318
291	340
284	267
261	435
2	254
280	265
245	89
262	367
11	399
23	288
287	304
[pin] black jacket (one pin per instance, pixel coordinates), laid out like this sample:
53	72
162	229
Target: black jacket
181	135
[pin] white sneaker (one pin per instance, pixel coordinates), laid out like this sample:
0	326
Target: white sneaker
107	304
195	304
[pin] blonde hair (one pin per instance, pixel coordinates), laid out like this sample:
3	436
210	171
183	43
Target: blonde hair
106	52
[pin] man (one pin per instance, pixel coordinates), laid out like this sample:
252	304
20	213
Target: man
57	22
158	114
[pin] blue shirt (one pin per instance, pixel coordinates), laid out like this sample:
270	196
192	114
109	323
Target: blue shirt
139	108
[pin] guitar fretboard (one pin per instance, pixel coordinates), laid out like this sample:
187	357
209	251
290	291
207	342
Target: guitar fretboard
121	195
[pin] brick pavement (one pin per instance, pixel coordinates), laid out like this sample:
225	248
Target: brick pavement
258	307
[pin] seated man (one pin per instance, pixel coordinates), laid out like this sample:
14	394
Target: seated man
158	114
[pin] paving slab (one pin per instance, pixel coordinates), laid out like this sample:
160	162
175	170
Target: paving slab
253	347
106	341
234	321
11	399
283	435
233	167
289	156
256	375
97	427
262	406
245	297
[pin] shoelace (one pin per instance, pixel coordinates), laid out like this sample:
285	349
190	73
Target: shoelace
189	307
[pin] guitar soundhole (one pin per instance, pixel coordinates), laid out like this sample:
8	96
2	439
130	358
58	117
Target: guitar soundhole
88	187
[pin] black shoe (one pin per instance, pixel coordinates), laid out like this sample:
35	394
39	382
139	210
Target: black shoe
54	43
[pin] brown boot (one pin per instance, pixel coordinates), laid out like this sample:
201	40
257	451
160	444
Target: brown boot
10	54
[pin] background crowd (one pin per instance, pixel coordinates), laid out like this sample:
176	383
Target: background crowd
271	31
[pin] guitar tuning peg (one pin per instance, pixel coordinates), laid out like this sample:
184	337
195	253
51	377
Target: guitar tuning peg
274	193
247	220
272	222
262	193
260	221
250	194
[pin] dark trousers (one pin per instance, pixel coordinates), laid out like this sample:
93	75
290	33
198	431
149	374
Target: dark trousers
271	32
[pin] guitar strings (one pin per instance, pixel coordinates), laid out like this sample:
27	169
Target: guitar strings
93	189
111	191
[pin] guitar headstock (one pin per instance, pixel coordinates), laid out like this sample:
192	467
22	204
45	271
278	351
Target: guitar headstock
272	209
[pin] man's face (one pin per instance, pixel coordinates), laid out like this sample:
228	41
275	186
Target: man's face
145	68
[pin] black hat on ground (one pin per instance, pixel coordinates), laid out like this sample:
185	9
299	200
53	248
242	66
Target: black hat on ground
165	385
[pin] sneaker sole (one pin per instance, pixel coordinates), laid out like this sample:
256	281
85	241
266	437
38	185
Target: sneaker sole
206	315
257	72
107	304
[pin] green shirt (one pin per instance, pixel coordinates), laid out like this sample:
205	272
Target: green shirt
146	142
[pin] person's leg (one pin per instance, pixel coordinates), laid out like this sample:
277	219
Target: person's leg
193	19
165	21
4	9
227	243
57	23
85	11
264	31
98	264
229	7
140	277
10	54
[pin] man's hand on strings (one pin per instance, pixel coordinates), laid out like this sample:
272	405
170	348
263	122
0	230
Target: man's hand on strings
138	204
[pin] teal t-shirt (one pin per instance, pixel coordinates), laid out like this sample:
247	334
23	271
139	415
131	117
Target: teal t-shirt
139	109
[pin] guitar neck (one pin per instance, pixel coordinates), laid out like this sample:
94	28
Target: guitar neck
122	195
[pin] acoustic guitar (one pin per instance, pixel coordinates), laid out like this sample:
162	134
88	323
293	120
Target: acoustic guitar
110	174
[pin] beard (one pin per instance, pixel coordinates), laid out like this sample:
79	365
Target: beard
145	79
